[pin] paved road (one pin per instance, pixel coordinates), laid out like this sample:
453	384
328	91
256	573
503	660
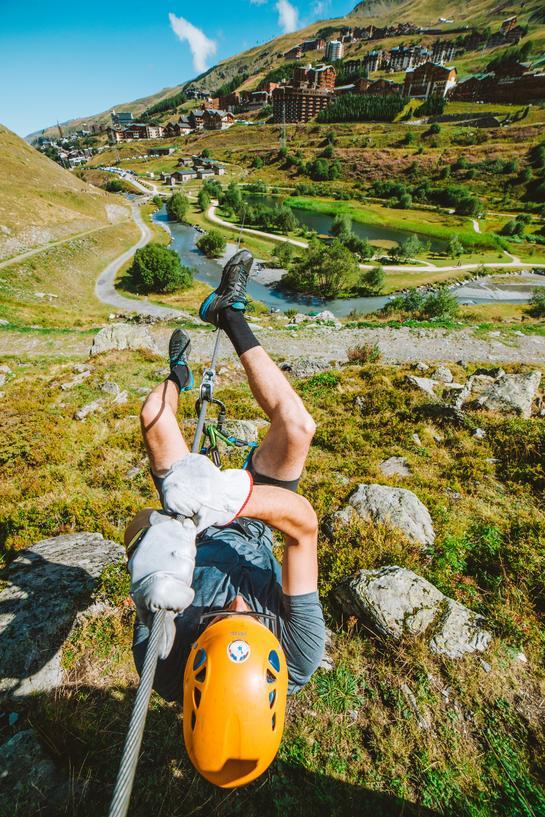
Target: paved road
514	263
105	289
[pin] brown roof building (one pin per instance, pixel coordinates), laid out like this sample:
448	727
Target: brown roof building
292	104
428	80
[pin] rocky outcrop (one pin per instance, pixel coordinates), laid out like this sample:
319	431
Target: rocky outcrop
395	467
425	384
395	507
29	779
47	585
306	366
121	336
397	603
511	394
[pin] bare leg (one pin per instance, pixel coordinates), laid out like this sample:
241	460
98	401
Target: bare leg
283	452
162	436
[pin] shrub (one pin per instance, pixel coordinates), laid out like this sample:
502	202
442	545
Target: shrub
283	254
212	244
440	304
177	206
324	270
342	225
364	353
204	200
205	153
158	201
258	162
372	281
537	303
156	268
455	247
114	186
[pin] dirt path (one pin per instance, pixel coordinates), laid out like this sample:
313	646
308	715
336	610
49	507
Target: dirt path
105	289
44	247
324	343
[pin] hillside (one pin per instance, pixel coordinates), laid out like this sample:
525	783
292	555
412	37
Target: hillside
40	202
256	62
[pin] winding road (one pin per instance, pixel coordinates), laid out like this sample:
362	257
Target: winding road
105	289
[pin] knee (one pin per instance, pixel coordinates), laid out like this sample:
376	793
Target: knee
150	407
299	423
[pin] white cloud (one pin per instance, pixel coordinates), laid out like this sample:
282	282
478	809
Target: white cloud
319	7
201	47
288	16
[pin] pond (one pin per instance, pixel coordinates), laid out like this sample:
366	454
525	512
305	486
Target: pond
508	289
321	222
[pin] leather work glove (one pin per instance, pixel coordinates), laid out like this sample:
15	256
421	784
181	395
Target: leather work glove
195	487
161	569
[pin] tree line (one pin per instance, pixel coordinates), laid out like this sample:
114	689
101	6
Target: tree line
363	108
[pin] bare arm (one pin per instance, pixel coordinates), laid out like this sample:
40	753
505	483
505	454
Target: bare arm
294	516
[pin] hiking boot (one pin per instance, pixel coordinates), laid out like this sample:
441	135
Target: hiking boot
179	349
232	289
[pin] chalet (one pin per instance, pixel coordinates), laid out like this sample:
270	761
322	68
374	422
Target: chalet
217	119
318	44
183	176
509	87
294	53
428	80
114	135
196	118
230	101
380	87
121	118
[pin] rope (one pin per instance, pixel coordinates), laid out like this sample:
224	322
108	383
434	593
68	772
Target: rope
131	750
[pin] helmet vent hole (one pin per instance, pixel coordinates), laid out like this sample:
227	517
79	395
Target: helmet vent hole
274	660
272	698
201	675
273	721
199	659
270	677
193	720
197	697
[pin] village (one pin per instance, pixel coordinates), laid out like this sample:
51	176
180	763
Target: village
428	72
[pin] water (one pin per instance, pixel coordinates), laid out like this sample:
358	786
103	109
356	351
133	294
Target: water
321	222
491	290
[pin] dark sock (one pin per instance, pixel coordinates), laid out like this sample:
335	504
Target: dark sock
234	324
179	375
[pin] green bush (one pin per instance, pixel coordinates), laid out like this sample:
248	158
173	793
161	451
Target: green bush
114	186
204	200
158	201
324	270
537	303
177	206
156	268
212	244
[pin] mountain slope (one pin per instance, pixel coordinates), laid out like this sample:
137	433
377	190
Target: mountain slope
257	61
40	202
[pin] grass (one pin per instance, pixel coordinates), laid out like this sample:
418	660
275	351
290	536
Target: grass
352	741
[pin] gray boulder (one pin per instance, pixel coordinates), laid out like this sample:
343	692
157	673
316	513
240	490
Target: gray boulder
29	780
88	408
47	585
425	384
443	375
305	366
395	467
397	602
460	631
395	507
121	336
512	394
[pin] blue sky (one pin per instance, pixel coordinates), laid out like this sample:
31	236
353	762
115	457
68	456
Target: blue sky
65	60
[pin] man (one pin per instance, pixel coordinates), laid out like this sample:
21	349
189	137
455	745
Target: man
232	569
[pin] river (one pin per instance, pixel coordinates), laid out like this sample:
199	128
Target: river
512	289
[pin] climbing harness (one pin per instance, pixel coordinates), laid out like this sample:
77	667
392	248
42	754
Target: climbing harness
211	432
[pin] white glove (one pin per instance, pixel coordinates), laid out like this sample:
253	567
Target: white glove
161	569
194	487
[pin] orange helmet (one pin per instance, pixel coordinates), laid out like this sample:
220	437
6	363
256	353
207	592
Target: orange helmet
235	689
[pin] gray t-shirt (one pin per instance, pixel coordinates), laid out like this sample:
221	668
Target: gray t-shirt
238	560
